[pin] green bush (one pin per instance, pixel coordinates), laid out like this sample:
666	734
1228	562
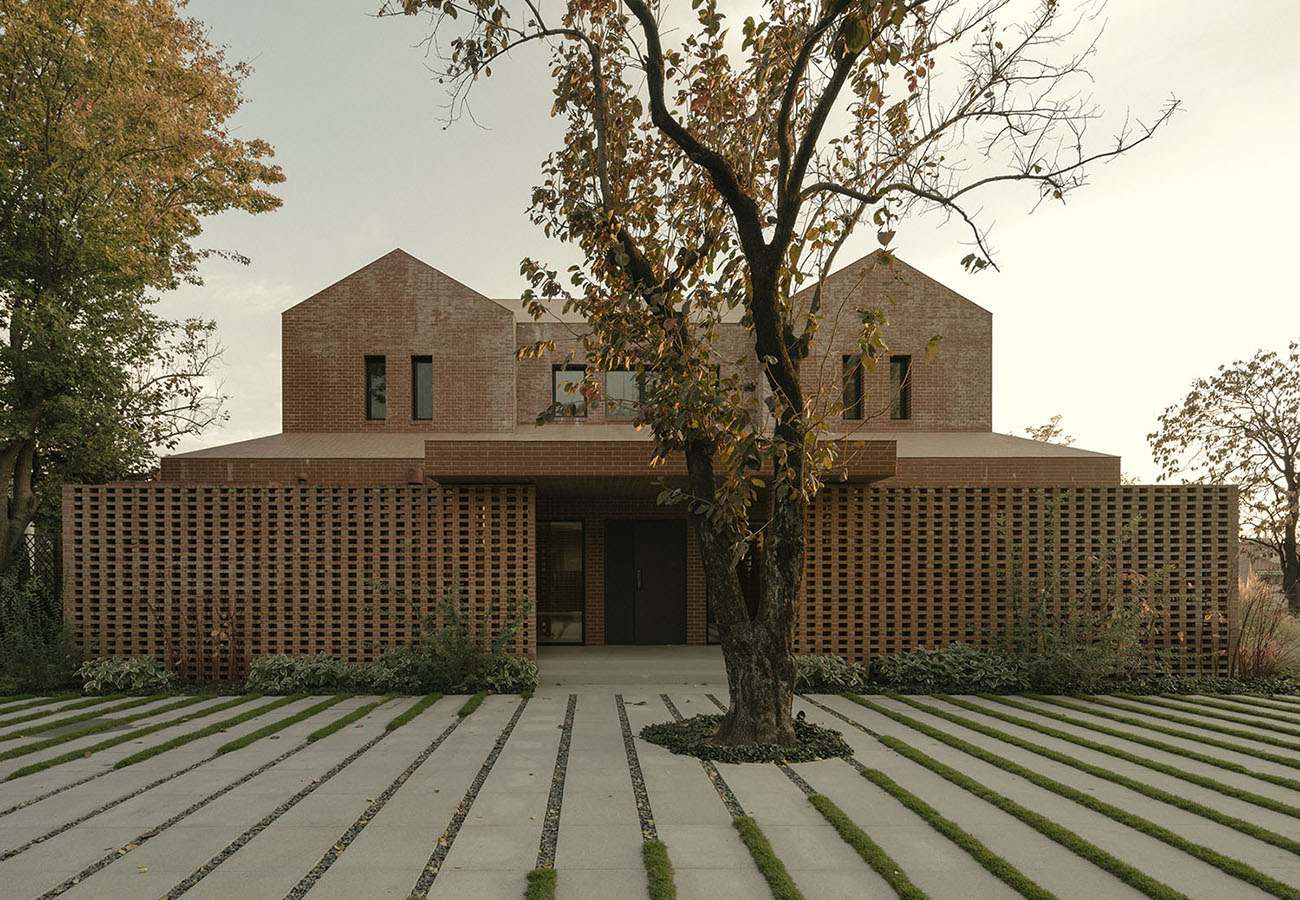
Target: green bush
511	675
313	673
955	669
125	675
36	652
827	674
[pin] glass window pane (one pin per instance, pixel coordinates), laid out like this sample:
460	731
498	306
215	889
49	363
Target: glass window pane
561	594
622	394
852	399
567	390
900	387
422	388
376	388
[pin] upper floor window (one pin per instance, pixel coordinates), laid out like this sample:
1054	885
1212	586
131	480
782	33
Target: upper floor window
623	394
422	388
852	397
376	388
566	389
900	387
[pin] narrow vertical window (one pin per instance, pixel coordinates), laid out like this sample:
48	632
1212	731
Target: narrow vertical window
623	394
566	389
900	387
422	388
376	388
852	368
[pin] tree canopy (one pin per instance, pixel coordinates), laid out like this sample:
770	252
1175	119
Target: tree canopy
113	146
710	170
1242	426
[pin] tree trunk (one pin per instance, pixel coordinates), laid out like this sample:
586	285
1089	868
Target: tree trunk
17	465
1291	572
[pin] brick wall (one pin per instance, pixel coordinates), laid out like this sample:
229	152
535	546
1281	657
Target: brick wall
351	472
208	577
891	569
980	471
398	307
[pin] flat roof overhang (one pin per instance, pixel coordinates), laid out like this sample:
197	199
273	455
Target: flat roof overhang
570	462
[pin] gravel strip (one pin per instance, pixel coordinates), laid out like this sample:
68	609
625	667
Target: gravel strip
345	840
448	836
48	794
639	792
784	767
234	846
719	783
839	715
551	823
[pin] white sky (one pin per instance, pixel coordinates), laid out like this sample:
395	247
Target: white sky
1173	261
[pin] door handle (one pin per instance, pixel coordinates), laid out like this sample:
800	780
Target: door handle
638	579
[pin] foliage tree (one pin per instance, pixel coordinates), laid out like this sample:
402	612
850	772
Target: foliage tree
1242	426
704	171
1050	432
113	144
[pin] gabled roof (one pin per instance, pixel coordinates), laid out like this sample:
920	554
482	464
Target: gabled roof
394	259
843	278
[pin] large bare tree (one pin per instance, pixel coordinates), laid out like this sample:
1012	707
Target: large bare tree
706	169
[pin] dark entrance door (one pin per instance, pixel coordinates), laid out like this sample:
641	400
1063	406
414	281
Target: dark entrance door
645	582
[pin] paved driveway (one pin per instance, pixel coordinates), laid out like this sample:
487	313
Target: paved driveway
966	797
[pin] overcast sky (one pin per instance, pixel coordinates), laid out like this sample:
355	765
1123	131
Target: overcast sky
1173	260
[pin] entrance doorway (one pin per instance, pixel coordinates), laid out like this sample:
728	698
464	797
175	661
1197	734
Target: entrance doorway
645	582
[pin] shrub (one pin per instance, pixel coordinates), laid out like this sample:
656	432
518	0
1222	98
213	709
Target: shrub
125	675
827	674
957	668
511	675
1267	635
314	673
36	651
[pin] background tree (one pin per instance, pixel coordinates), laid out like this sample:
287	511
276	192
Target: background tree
724	170
112	145
1050	432
1242	426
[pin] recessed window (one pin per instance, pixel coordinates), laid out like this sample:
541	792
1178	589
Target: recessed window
422	388
852	368
566	389
900	387
623	394
376	388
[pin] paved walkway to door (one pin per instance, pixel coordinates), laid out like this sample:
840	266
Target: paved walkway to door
970	798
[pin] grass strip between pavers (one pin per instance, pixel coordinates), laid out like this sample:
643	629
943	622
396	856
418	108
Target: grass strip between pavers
471	704
1259	711
1210	713
1255	701
1079	846
102	726
1199	809
995	865
43	701
81	717
130	736
1192	723
872	853
344	721
1227	790
541	885
279	725
207	731
769	864
1234	867
1174	771
1290	761
658	871
420	706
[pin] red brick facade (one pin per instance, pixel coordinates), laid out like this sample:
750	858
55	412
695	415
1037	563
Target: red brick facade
279	544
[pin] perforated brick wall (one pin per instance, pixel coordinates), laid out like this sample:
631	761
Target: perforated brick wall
209	577
892	569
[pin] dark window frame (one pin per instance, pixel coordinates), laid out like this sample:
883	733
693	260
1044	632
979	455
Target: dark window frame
900	396
416	361
851	387
376	406
580	404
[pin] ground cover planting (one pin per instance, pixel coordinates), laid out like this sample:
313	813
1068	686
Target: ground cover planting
521	775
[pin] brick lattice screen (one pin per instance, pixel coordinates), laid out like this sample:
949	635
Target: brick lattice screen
209	577
891	569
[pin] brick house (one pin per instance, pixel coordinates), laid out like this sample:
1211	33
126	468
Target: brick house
410	462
